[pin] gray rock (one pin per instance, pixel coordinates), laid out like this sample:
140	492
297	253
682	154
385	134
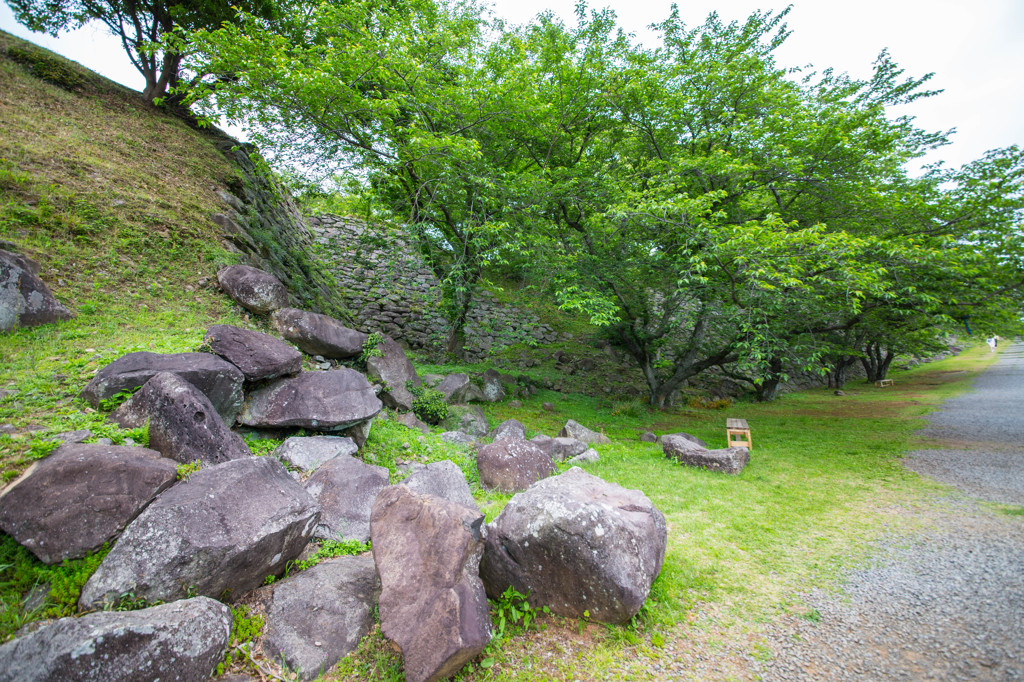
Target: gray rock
548	407
394	370
726	460
432	380
72	436
183	424
182	641
675	445
324	401
317	334
253	289
686	436
454	387
565	448
510	428
432	602
345	488
492	389
309	452
442	479
474	394
81	496
259	356
590	455
318	615
648	437
218	379
25	300
575	430
510	465
458	438
467	419
360	432
545	443
410	420
576	543
223	531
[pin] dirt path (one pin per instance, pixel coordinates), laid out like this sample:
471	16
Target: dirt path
947	604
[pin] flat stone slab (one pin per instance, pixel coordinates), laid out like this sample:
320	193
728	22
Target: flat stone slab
253	289
317	616
184	640
323	401
309	452
259	356
81	496
221	532
318	334
218	379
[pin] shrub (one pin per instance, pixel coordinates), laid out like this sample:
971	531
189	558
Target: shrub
429	405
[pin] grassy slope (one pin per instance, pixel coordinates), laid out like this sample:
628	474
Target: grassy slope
112	197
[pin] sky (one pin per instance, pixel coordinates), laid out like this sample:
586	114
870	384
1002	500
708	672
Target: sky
976	51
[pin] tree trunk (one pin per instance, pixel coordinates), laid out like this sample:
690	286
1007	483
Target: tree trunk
875	362
768	389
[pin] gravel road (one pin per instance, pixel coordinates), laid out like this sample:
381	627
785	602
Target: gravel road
947	604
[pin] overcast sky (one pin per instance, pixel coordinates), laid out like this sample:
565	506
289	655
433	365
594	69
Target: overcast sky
976	50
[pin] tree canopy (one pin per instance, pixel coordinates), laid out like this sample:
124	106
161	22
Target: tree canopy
707	206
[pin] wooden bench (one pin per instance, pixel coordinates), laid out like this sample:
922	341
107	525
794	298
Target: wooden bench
882	383
738	428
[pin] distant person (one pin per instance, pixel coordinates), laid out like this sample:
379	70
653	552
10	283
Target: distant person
991	341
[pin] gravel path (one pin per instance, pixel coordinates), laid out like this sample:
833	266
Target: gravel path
947	604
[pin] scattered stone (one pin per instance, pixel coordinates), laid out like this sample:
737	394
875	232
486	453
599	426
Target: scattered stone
317	334
468	419
81	496
590	455
492	389
442	479
454	387
224	530
25	300
360	432
345	488
675	445
474	394
576	543
648	437
432	380
218	379
548	407
545	443
68	437
839	393
317	616
253	289
183	423
394	370
564	448
410	420
515	404
309	452
510	465
259	356
510	428
726	460
458	438
579	432
324	401
184	640
432	602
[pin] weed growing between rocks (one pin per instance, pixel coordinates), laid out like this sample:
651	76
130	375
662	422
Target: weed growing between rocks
245	628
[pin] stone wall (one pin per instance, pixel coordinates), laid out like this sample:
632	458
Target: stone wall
388	287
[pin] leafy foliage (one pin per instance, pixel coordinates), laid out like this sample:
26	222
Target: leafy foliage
429	405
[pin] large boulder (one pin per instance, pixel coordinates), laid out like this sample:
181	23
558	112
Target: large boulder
323	401
345	488
576	544
309	452
183	424
318	334
182	641
510	428
676	444
442	479
726	460
253	289
432	603
469	419
25	300
218	379
492	389
566	448
512	464
316	616
259	356
221	532
576	430
685	436
545	443
394	370
81	496
454	387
